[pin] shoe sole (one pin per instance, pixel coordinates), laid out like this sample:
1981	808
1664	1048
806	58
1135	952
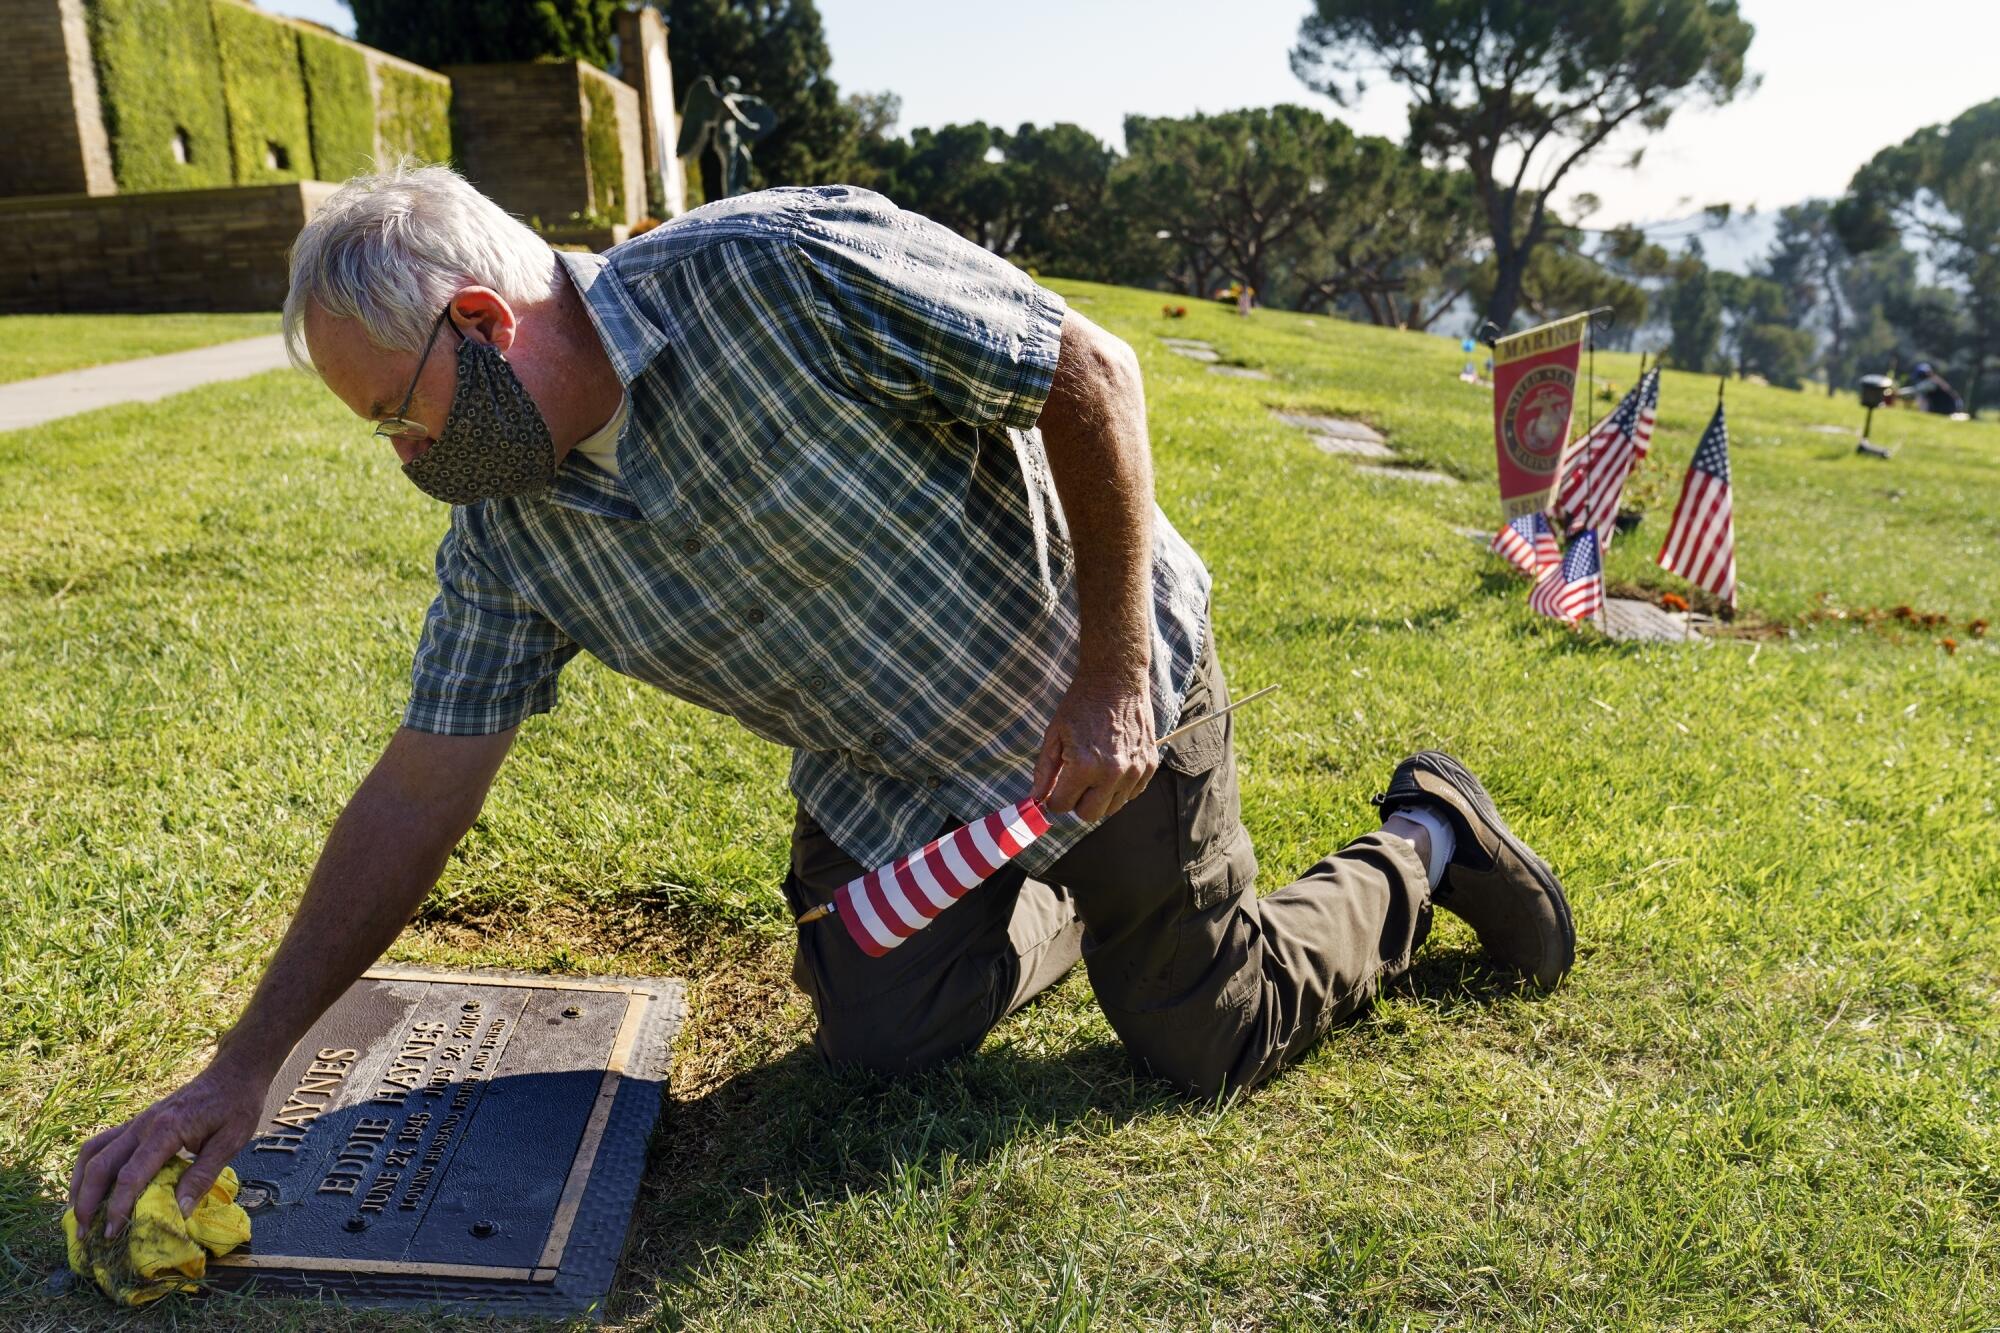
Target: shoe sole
1474	791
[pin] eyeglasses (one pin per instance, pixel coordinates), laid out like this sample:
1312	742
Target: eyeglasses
396	426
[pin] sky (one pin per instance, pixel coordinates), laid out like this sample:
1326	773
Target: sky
1840	79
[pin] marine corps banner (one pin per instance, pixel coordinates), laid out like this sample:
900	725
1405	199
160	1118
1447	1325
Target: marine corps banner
1534	384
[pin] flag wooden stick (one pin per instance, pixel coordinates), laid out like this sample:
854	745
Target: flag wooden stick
827	909
1222	712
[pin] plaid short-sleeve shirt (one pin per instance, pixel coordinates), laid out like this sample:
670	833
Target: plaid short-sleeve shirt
834	519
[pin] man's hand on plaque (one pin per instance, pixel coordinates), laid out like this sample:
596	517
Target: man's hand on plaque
212	1117
1098	752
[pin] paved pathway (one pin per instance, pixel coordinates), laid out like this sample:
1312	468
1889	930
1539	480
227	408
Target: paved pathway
146	380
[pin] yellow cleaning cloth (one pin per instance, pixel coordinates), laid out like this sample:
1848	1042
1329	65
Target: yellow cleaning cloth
161	1250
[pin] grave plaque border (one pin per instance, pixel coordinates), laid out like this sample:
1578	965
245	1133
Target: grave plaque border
587	1235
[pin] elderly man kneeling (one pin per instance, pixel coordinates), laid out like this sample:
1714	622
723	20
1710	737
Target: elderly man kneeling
826	467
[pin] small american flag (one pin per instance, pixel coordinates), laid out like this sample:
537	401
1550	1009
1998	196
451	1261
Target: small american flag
1649	409
1595	478
889	904
1576	591
1529	543
1701	542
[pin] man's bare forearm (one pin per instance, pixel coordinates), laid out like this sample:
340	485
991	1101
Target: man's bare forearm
1094	431
383	855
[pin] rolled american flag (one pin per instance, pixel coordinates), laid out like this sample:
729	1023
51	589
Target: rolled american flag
889	904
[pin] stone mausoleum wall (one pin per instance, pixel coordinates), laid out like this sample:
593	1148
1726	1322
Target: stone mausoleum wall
162	154
183	250
51	130
125	123
199	93
557	143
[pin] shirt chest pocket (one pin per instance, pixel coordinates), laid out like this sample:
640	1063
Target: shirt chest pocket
801	509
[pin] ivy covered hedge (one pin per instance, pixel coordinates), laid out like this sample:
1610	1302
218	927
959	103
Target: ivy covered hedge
601	150
339	107
248	98
414	117
161	81
265	94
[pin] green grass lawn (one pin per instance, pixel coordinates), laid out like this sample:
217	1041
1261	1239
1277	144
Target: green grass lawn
1766	1097
32	345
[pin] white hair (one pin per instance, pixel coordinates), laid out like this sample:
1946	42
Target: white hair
391	249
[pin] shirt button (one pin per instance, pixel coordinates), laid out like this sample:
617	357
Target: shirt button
755	615
878	738
692	546
817	682
934	782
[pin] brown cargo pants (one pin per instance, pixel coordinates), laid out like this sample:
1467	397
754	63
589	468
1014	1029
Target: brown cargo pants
1209	986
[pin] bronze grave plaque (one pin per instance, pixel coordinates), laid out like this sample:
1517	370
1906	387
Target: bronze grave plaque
469	1139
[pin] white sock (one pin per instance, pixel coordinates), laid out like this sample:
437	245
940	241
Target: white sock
1443	841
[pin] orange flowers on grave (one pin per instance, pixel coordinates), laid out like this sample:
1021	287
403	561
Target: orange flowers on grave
1673	602
1977	629
1174	311
1950	646
1921	619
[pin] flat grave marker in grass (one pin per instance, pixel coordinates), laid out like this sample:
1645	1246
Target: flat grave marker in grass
1240	372
1208	354
1343	447
467	1139
1344	439
1630	620
1338	427
1420	474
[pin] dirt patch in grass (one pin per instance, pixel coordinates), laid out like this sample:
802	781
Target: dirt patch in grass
1901	622
742	1006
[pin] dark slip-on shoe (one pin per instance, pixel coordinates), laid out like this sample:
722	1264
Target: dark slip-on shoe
1507	894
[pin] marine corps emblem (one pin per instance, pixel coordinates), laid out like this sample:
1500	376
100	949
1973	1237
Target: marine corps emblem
1535	424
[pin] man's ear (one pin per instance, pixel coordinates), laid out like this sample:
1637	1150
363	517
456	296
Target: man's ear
482	314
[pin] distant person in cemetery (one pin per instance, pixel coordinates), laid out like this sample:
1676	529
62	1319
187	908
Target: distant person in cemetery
1928	391
828	468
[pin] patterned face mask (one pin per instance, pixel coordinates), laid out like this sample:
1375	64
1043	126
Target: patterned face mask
494	443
